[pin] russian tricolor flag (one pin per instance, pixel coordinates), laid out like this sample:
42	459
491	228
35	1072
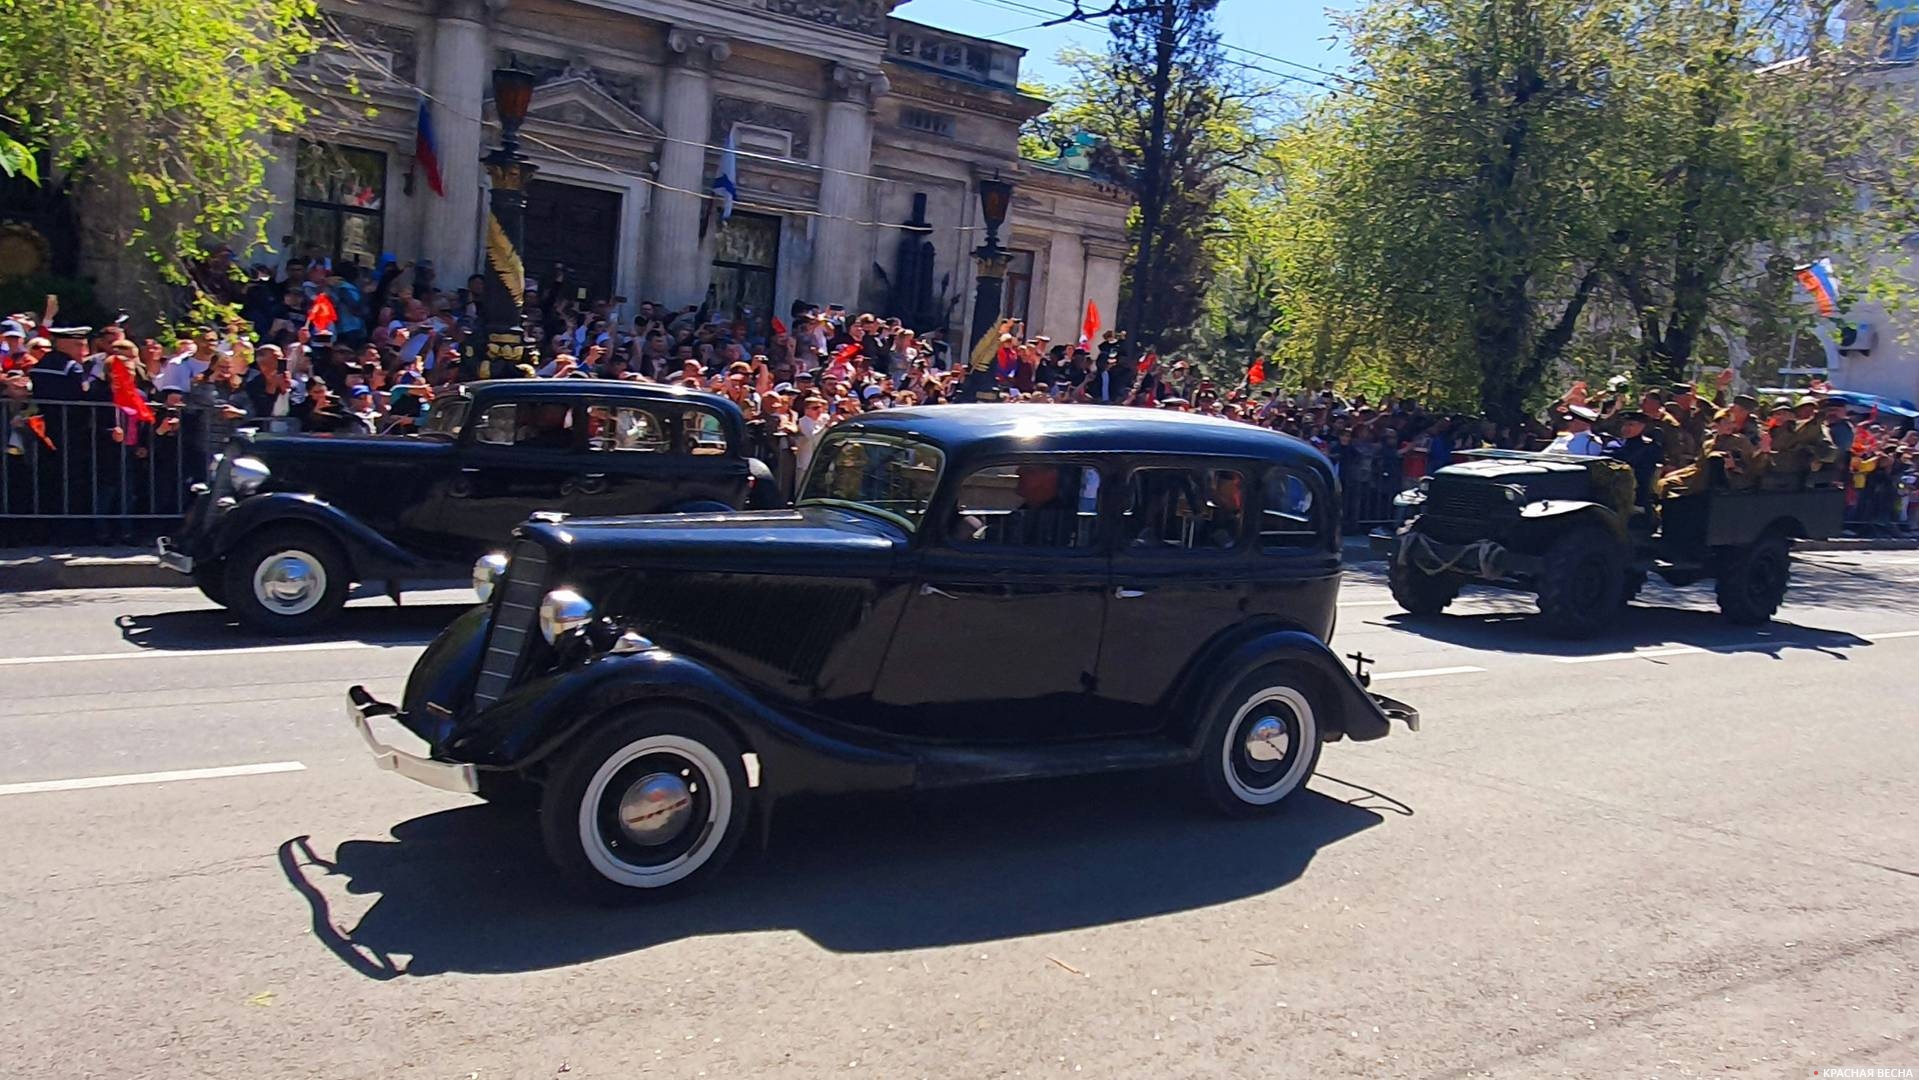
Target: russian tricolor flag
427	151
1818	279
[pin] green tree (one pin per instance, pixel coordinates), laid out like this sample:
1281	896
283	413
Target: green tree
1185	127
1508	183
157	109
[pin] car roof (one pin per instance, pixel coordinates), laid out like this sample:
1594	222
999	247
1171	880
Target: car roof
983	430
583	387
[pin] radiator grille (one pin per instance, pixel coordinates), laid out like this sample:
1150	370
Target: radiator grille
516	608
1457	511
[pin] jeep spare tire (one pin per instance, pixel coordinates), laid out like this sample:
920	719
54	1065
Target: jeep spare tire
1583	585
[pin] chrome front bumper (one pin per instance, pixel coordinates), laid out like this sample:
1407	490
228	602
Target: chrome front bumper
361	707
171	559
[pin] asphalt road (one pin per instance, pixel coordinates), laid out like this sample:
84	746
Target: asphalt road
1685	849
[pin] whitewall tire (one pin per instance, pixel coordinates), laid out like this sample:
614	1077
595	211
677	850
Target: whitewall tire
1262	744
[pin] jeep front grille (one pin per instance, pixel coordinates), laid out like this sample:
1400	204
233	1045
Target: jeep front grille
1469	501
516	609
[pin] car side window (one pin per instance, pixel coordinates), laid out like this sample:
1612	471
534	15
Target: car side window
625	427
1182	509
1289	514
701	433
1028	505
539	424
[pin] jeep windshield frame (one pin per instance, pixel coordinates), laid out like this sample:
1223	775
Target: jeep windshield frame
888	476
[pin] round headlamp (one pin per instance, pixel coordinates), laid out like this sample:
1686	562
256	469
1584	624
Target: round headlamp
486	572
247	474
562	612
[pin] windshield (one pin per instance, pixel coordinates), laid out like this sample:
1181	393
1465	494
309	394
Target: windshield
891	477
446	416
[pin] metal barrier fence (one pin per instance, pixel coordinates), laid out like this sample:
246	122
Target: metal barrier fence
64	463
69	467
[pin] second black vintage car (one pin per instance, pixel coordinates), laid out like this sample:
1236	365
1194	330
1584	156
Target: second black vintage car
964	594
291	521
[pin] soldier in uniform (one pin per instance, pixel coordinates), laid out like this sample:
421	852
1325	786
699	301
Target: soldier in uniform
1738	457
1637	448
1745	415
1685	424
1799	446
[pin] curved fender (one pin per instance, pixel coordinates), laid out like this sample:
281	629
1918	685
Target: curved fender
1552	509
370	553
546	714
1356	715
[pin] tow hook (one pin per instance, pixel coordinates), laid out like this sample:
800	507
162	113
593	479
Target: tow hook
1360	660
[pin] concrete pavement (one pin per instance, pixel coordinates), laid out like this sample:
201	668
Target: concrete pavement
1686	848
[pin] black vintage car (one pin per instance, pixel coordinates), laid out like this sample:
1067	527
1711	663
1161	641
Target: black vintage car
290	521
963	594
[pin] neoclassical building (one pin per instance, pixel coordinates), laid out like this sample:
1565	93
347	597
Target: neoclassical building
849	123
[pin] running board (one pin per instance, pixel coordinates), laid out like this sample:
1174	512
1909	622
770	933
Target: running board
943	767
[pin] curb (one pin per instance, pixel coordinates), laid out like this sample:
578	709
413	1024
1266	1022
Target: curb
1859	543
38	573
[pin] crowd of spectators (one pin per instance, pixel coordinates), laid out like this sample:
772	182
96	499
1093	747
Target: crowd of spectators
350	350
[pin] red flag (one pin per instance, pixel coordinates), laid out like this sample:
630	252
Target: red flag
125	394
1257	373
1089	329
38	425
320	314
778	326
1151	361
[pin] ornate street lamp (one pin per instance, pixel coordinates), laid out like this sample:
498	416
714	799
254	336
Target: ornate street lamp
509	171
990	261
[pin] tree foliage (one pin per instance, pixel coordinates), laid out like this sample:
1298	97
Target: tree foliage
1184	138
1510	182
164	106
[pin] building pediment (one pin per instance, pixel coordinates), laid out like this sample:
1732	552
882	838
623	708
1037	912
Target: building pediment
578	101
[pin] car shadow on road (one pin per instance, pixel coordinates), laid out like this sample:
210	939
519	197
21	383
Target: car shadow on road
468	890
217	628
1637	628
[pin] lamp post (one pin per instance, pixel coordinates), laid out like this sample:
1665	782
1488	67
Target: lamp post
509	172
990	261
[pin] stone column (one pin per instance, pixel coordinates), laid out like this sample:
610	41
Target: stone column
841	247
674	275
461	67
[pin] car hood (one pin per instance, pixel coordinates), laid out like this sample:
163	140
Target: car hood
329	448
813	540
1506	471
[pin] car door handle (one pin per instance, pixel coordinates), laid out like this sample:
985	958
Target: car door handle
935	590
1124	593
471	470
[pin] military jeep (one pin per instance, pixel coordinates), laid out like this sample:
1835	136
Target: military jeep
1564	528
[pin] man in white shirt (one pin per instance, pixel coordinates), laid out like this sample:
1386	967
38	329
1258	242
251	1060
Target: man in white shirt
1578	438
179	372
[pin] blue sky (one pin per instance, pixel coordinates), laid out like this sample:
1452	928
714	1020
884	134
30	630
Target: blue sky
1291	30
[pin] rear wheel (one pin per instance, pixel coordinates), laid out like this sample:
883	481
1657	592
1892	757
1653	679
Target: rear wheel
1583	585
286	581
652	804
1753	579
1419	592
1262	745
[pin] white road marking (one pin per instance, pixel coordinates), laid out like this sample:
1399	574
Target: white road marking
84	782
183	654
1890	635
1425	673
1637	654
1368	603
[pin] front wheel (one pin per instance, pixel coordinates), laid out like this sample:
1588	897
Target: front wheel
212	580
1419	592
1263	743
1752	581
286	581
1583	585
651	804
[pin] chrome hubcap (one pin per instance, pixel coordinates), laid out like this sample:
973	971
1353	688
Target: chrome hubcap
1266	743
656	809
289	583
